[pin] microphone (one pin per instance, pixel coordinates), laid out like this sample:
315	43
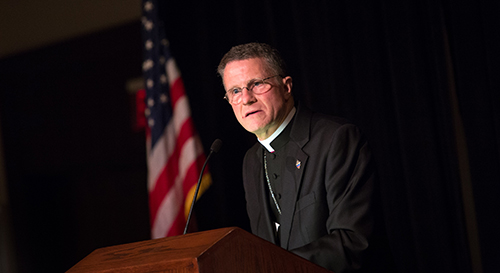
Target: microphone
216	145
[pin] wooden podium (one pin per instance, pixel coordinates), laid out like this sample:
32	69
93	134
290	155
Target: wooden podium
220	250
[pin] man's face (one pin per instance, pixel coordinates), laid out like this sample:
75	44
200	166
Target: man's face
259	114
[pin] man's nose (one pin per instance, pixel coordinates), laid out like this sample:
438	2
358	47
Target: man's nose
247	96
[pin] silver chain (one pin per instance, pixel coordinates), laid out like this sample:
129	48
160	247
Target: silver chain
269	185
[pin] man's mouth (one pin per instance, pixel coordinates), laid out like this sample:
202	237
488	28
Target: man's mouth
251	113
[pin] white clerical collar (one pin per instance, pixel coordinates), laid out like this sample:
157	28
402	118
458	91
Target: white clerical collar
267	142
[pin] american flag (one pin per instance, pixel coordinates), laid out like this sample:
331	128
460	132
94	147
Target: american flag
174	151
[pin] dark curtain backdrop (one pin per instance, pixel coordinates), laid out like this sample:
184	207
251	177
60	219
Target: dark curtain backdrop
417	76
420	78
76	170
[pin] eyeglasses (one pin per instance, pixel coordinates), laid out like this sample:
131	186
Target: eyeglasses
258	87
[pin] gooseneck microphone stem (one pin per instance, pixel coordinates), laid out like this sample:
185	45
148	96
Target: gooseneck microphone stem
196	193
216	145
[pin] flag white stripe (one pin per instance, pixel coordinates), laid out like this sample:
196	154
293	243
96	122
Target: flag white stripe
167	203
181	113
168	209
190	151
171	205
159	155
161	152
172	72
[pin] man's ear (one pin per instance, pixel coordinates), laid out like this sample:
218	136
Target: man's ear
288	83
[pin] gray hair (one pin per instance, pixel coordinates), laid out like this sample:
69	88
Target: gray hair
255	50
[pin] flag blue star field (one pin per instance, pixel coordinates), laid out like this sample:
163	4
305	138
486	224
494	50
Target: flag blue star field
174	151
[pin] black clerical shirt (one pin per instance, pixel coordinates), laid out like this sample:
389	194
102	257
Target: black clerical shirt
275	168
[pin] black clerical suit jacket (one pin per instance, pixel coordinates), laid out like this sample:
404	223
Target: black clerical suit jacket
327	191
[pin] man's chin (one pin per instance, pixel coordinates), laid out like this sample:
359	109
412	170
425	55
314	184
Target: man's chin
253	129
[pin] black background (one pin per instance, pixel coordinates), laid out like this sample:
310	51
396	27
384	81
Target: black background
76	168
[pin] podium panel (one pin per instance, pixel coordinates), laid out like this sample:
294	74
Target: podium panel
219	250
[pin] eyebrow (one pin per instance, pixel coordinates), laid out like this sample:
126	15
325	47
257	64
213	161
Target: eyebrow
248	83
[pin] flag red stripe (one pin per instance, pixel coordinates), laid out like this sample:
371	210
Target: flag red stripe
175	160
190	181
160	191
192	176
178	224
176	91
170	171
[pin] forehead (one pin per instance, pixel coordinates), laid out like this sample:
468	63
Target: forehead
241	71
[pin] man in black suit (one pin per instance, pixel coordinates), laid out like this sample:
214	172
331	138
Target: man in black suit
309	180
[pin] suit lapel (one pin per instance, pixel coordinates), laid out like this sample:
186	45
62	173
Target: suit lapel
296	163
291	185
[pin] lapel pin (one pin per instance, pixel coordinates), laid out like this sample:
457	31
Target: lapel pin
297	164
